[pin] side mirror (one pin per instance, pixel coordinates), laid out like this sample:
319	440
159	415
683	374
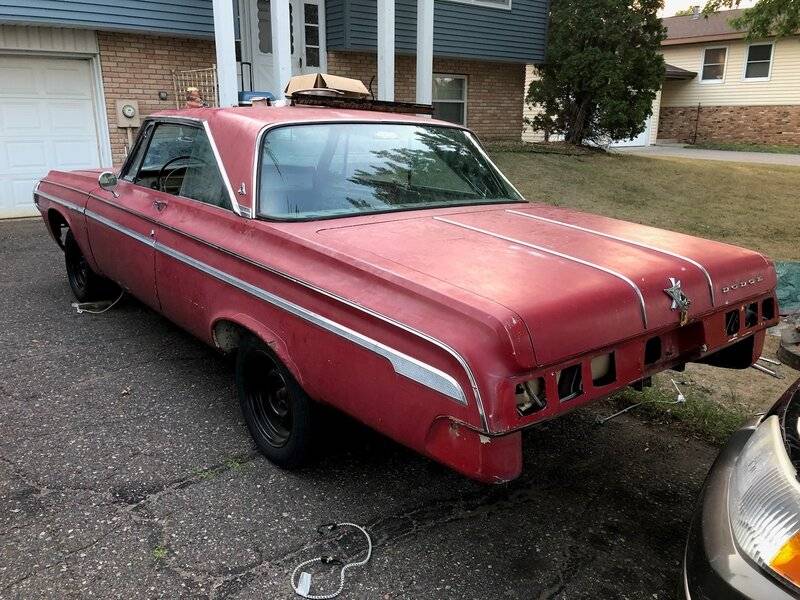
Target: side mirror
108	181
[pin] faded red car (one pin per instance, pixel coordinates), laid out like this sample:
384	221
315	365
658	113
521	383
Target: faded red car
382	265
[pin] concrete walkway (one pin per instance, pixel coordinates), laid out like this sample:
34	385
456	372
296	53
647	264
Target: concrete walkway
678	151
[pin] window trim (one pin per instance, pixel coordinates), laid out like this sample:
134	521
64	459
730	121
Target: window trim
703	64
484	3
465	101
745	78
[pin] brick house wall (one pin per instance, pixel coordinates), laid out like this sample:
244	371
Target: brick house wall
494	89
138	67
755	124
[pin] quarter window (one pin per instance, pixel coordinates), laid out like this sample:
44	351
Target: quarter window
759	59
714	65
450	98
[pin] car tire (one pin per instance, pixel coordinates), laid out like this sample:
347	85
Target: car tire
278	413
86	285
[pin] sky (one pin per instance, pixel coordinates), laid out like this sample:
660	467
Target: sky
673	6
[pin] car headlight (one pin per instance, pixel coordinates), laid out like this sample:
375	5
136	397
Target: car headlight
764	503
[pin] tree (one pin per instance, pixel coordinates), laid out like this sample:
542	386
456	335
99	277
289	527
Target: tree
684	12
602	71
767	18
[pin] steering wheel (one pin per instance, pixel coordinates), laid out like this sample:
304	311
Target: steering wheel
161	180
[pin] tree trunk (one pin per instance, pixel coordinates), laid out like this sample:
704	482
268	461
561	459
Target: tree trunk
577	127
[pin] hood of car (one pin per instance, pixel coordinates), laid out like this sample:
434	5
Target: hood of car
578	281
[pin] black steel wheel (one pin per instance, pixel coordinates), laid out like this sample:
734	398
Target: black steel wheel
277	411
86	285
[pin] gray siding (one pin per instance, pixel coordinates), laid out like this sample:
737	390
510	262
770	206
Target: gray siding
193	18
459	30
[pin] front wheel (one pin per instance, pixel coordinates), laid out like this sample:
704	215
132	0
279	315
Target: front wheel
278	413
86	285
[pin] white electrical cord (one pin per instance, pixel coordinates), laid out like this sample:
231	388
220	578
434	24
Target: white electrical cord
80	310
303	586
681	399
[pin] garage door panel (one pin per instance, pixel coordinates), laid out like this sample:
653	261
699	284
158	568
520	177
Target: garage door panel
19	117
68	117
18	81
47	121
76	154
67	81
26	155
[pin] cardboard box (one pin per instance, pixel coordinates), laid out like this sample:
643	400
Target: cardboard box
347	88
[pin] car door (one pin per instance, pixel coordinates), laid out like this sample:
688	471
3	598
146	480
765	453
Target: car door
121	228
195	227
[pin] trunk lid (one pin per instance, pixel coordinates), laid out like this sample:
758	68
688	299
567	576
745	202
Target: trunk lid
578	281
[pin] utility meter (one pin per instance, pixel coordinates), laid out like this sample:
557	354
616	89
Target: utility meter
128	113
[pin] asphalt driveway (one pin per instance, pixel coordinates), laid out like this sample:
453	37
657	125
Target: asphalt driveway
126	471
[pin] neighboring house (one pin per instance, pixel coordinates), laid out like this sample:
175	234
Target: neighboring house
732	89
66	66
718	86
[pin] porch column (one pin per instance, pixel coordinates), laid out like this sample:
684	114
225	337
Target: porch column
424	51
385	49
224	40
281	45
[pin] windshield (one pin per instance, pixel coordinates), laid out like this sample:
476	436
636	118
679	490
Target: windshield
341	169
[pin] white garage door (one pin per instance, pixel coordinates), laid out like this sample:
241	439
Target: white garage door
47	121
643	139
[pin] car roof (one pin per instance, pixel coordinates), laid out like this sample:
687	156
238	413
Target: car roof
294	114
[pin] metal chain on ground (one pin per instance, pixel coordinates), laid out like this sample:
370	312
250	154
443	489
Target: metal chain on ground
303	585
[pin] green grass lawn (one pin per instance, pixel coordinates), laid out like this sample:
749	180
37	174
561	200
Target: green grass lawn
755	206
752	205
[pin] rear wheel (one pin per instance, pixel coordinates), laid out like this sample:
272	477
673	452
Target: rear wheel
87	286
278	413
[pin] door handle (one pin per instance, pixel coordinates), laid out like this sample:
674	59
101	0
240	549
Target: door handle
160	205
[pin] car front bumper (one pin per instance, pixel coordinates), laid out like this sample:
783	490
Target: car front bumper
714	568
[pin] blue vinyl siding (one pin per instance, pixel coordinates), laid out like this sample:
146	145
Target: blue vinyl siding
459	30
193	18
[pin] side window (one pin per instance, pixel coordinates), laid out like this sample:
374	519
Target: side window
166	158
179	160
203	181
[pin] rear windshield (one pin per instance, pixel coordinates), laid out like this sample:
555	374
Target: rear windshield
342	169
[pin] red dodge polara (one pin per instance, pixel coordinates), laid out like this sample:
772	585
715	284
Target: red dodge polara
381	264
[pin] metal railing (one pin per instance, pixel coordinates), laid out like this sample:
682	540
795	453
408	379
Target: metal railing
204	80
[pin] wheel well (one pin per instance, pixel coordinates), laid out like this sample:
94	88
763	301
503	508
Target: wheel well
57	224
228	335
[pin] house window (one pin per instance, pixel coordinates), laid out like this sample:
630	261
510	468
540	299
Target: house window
311	23
491	3
450	98
714	65
264	27
759	61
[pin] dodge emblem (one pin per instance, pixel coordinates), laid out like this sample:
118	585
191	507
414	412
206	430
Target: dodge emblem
680	301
